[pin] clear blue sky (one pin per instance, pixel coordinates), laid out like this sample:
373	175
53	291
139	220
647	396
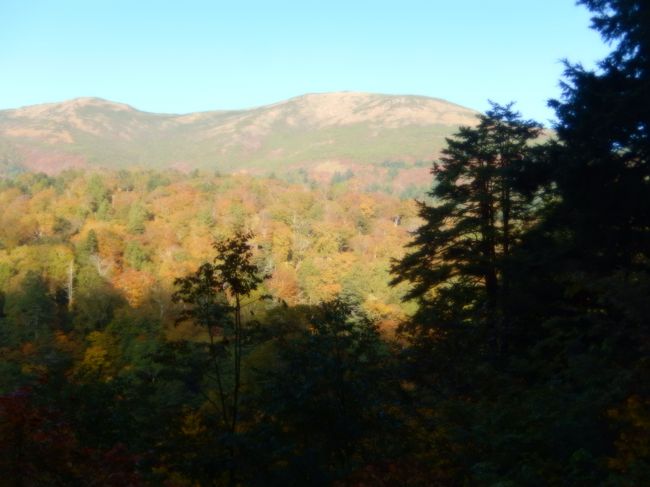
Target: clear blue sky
189	55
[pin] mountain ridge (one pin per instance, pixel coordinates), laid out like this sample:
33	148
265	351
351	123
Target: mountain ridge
342	129
101	100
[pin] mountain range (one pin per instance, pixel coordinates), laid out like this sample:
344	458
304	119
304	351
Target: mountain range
319	134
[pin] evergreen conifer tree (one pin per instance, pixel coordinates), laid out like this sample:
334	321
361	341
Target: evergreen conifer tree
459	259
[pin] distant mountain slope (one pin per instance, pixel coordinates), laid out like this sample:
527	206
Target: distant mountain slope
326	132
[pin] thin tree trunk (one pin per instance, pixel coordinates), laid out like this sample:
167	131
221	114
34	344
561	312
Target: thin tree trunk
488	249
217	371
504	305
235	401
70	285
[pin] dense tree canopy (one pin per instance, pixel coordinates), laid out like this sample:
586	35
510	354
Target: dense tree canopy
200	330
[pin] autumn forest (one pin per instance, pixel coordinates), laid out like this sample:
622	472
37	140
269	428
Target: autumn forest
164	327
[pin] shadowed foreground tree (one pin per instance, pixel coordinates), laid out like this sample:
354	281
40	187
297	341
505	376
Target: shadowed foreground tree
568	403
459	262
39	448
601	168
213	299
595	243
327	403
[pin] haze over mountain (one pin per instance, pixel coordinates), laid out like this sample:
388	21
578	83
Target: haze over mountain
320	133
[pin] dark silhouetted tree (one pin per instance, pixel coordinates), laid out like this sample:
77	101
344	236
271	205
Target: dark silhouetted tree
458	263
213	297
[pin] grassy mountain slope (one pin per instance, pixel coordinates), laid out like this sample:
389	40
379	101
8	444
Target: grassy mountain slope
330	131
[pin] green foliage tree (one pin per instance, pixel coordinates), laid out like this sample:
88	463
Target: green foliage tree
98	193
32	310
95	302
135	255
338	177
91	245
104	210
137	217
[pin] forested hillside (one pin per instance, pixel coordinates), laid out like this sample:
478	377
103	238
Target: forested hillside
382	141
163	328
88	264
135	232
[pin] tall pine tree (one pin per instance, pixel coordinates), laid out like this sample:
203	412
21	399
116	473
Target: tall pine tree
459	260
601	166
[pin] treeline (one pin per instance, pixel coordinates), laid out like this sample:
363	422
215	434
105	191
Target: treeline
265	345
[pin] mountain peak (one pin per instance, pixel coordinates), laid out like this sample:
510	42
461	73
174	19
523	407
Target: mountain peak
85	101
58	109
350	107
